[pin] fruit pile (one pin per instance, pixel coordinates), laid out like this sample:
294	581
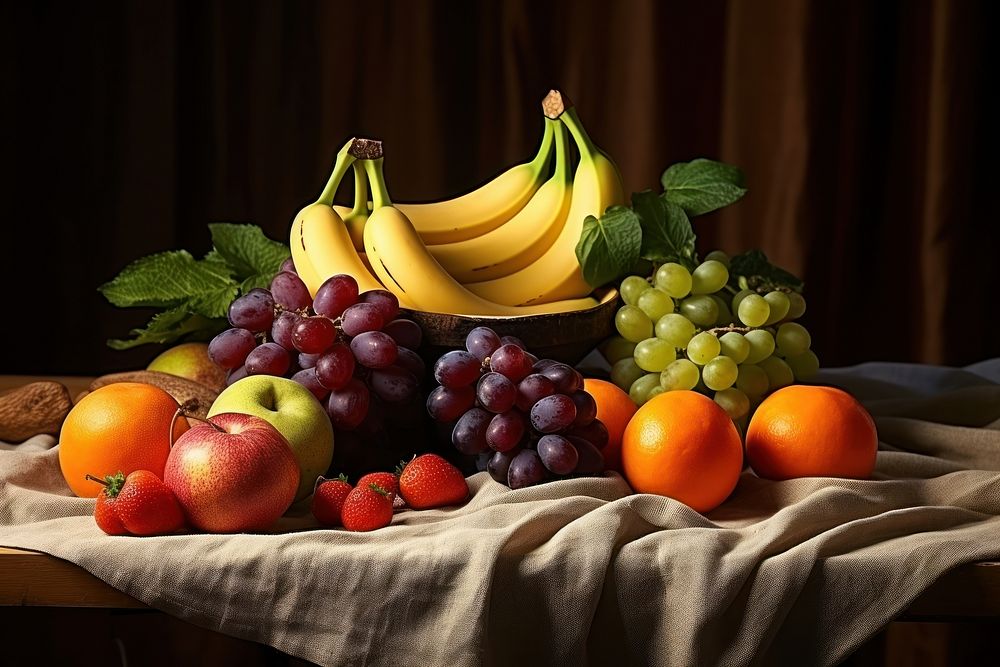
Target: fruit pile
528	418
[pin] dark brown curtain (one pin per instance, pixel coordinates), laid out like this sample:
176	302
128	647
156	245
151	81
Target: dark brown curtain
866	131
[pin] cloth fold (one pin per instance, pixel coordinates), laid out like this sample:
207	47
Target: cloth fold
583	571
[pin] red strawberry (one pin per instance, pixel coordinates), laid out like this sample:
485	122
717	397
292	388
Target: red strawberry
143	504
105	512
387	480
367	508
328	500
430	481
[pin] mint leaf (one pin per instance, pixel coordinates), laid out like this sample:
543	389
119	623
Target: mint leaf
167	327
247	251
760	272
667	235
609	246
168	279
701	186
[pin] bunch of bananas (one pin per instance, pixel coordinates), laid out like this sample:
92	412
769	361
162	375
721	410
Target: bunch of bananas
505	249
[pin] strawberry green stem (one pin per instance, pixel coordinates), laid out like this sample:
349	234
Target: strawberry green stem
340	167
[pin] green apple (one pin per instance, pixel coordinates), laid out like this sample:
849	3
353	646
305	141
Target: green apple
294	411
191	361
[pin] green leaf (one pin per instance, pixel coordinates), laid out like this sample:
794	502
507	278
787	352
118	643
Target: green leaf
758	271
168	326
701	186
168	279
667	235
247	251
609	246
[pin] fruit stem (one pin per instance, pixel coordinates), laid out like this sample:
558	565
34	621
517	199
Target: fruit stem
96	479
344	160
182	410
539	162
380	194
587	148
562	172
360	192
554	104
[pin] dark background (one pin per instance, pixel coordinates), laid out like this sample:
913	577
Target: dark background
866	131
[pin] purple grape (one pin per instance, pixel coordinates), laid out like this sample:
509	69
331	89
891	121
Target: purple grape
496	393
411	361
374	349
532	389
335	295
254	311
586	408
289	291
557	454
499	464
288	265
591	460
281	330
541	364
372	428
510	360
348	405
457	368
361	317
308	360
405	332
307	378
230	348
553	413
445	404
393	384
482	342
526	469
505	431
596	433
236	375
513	340
267	359
532	359
566	378
312	335
335	367
386	302
469	435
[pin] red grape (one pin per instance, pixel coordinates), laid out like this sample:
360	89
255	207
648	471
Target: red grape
591	460
532	389
553	413
469	435
586	408
557	454
482	342
385	301
268	359
335	367
595	432
496	393
505	431
566	378
307	378
348	405
374	349
281	330
405	332
289	291
393	384
335	295
230	348
510	360
457	369
446	404
312	335
254	311
411	361
525	469
361	317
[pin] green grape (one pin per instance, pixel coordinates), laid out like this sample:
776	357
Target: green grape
734	402
793	339
624	372
735	346
673	279
641	388
761	345
718	256
796	307
679	375
725	316
633	324
709	277
738	298
779	304
720	373
804	366
616	348
654	392
675	329
752	380
654	355
701	310
632	288
753	310
703	348
655	303
778	373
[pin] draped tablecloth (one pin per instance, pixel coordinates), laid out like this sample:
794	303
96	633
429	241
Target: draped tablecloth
583	571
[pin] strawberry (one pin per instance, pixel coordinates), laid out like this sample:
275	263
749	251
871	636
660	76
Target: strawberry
105	512
430	481
143	504
367	508
328	500
387	480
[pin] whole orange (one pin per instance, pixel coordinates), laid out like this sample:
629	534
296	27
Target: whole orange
811	431
119	427
681	444
614	409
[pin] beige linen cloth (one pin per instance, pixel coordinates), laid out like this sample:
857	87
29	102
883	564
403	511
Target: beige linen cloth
581	571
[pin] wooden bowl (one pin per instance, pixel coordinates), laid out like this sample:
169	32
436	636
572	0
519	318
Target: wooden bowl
566	337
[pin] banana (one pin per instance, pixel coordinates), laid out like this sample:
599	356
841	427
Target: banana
401	260
355	217
521	240
556	274
485	208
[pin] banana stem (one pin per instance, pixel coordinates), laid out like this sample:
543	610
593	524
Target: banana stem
360	191
344	161
544	150
380	194
587	148
562	171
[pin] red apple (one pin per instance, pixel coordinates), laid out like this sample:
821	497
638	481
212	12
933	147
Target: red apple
232	473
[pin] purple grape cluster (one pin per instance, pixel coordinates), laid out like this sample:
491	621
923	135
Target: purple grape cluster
527	419
352	351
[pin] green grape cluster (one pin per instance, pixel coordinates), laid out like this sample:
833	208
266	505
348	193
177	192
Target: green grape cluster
699	330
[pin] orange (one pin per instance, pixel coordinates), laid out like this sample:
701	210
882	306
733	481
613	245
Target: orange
811	431
614	409
681	444
119	427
